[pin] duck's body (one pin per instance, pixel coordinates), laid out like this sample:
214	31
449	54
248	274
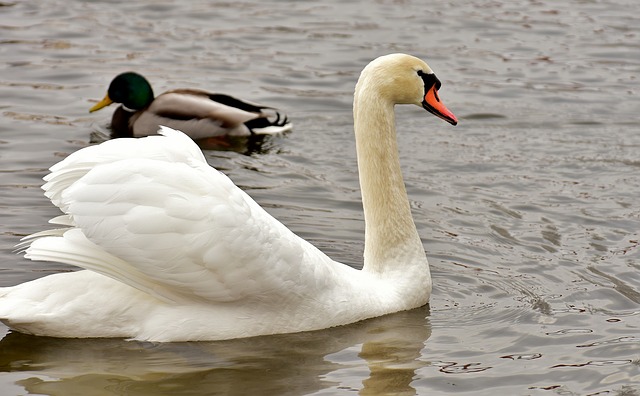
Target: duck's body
174	251
199	114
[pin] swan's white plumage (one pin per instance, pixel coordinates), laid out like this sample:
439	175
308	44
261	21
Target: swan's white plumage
178	236
174	251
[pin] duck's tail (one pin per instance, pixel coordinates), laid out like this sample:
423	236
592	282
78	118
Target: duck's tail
271	124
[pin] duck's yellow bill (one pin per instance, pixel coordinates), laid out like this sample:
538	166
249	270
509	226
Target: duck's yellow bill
103	103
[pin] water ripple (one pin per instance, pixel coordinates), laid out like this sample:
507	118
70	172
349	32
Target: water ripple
527	209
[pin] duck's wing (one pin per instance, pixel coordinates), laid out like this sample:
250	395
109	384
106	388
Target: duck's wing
183	103
268	122
224	99
176	229
203	114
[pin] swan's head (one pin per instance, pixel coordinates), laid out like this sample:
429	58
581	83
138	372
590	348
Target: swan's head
405	79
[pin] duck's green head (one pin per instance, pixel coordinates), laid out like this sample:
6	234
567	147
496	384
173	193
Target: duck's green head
130	89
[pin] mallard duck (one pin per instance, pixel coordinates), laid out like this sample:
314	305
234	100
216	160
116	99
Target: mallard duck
199	114
174	251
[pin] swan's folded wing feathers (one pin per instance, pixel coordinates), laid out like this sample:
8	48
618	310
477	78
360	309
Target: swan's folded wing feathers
187	227
66	172
74	248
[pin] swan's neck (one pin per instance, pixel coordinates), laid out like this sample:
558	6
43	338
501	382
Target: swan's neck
392	242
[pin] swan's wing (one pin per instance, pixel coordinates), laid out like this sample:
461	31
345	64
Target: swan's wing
68	171
182	229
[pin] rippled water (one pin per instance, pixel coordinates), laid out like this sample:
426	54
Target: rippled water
528	209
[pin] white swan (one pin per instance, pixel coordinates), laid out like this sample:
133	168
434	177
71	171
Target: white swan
174	251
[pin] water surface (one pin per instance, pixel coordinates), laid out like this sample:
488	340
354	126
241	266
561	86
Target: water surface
528	209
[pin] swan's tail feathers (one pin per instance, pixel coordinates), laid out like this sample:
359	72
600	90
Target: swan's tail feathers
64	220
70	246
269	124
25	242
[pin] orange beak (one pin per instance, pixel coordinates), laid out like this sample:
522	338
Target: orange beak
433	105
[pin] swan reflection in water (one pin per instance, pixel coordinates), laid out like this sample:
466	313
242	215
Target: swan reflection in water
389	347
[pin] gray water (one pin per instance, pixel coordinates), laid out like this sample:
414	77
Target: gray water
528	209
